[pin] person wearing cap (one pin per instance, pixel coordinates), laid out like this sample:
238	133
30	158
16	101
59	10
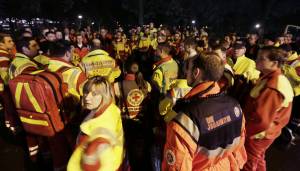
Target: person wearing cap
242	65
268	107
291	70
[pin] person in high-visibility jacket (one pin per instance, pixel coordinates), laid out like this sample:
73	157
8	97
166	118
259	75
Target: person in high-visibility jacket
121	47
268	107
165	70
74	77
177	91
103	125
144	43
99	63
242	65
195	137
133	94
6	45
227	80
27	49
291	70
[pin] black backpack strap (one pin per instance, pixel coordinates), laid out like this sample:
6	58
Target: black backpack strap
123	100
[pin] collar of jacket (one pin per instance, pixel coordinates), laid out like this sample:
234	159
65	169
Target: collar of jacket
293	57
21	55
61	61
164	60
102	109
271	75
130	77
5	53
207	88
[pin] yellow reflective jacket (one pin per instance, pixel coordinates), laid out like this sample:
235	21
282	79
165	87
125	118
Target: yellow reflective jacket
144	43
99	63
41	59
107	125
178	90
244	66
20	64
291	73
121	48
73	77
4	64
165	74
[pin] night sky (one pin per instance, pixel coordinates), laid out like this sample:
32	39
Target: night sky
219	14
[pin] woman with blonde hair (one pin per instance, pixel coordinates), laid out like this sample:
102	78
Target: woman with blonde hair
100	141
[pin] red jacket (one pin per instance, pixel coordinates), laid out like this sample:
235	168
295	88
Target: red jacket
269	105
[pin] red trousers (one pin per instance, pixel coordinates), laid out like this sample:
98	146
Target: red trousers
256	149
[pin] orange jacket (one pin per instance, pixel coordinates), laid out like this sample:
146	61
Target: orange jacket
182	153
268	108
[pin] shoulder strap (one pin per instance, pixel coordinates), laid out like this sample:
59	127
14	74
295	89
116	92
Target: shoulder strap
123	100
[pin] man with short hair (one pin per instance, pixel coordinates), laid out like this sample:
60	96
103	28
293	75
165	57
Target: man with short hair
251	46
195	137
50	36
27	49
6	45
58	35
80	48
242	65
61	57
165	70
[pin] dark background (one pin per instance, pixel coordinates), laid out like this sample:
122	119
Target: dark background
218	15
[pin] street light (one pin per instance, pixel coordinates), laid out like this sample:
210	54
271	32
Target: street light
257	26
193	21
80	18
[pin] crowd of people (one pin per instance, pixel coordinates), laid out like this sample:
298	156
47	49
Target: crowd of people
148	98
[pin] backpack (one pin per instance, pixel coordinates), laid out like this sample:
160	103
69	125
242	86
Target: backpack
38	97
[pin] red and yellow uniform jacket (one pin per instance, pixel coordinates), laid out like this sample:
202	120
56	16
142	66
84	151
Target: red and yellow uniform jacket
99	63
5	59
106	123
81	51
268	108
122	49
11	119
145	43
165	74
20	64
195	137
73	76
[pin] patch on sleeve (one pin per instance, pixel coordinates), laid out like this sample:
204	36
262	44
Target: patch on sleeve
237	111
170	157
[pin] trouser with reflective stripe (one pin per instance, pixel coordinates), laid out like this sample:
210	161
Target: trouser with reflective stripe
256	149
58	146
11	118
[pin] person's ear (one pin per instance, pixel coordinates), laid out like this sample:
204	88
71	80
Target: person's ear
197	73
275	64
25	49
